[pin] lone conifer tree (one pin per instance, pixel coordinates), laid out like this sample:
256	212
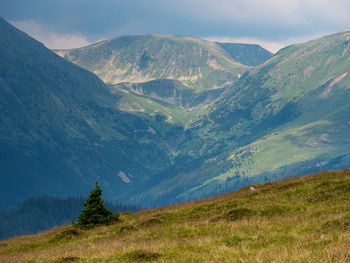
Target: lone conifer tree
95	213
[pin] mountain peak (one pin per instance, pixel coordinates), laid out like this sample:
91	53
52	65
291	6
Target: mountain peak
197	63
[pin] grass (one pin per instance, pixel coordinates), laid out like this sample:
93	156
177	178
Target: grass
302	219
138	104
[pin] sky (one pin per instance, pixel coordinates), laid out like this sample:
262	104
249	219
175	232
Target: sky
271	23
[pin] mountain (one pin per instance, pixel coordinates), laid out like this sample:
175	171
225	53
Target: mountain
247	54
198	64
168	99
171	92
306	215
61	129
288	116
172	75
167	140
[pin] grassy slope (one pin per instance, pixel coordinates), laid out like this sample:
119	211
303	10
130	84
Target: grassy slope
178	103
291	113
302	219
290	116
142	105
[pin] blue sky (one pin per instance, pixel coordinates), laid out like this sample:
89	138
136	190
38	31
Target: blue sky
271	23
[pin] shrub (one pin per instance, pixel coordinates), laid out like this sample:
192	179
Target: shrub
95	213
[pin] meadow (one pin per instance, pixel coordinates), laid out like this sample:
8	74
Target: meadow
302	219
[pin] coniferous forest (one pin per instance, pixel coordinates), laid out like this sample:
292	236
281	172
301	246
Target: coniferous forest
45	212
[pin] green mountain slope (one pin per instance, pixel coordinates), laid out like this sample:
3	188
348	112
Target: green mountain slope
247	54
168	99
289	116
198	64
304	219
61	130
178	76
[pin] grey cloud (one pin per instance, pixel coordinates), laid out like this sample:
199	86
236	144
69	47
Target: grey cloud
270	20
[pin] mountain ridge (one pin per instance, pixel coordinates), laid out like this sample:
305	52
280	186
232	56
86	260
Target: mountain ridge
142	58
159	149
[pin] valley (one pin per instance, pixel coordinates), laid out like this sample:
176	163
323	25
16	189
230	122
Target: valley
168	118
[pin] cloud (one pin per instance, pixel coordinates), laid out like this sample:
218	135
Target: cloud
51	39
275	22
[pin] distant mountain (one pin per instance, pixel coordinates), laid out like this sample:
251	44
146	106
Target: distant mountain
247	54
197	63
178	76
61	130
287	117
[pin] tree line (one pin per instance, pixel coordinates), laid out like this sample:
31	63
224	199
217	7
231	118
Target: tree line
44	212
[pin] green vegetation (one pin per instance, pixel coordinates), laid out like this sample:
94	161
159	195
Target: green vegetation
178	103
296	101
302	219
95	213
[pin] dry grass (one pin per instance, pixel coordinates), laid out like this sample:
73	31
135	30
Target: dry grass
304	219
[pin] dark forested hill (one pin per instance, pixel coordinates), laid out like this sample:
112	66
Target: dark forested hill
60	128
42	213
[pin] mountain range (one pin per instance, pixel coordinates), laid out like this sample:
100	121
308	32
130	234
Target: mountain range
162	119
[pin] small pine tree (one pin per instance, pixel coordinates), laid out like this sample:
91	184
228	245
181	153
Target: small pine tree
95	213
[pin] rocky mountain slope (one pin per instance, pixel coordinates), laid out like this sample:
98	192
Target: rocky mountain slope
178	76
198	64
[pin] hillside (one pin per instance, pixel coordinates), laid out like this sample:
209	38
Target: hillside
288	116
61	130
247	54
170	99
198	64
303	219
